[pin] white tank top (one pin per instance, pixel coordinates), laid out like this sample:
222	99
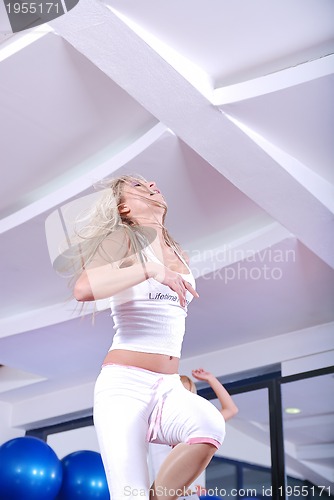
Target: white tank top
149	318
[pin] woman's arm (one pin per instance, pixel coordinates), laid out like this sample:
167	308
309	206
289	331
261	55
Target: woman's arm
105	276
228	408
106	280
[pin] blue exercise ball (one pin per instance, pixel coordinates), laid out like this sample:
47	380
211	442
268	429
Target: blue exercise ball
83	477
29	470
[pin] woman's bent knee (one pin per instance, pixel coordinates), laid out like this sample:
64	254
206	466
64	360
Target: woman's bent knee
205	440
211	432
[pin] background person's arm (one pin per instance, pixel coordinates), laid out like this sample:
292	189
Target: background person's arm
228	407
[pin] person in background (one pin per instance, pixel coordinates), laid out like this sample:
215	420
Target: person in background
227	406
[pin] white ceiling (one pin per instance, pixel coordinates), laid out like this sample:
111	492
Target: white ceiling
229	108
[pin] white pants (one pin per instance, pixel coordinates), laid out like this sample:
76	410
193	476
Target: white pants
133	407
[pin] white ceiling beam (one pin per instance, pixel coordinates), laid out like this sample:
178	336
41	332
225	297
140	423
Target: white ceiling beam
105	40
304	422
307	363
42	318
319	187
315	451
316	474
191	72
80	184
52	406
12	379
5	27
21	40
274	82
213	258
265	352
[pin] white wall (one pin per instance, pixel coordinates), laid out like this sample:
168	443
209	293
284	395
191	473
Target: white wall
8	432
280	349
64	443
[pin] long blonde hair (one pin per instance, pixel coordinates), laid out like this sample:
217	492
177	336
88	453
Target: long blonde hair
103	219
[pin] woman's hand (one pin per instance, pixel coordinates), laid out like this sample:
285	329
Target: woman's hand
171	279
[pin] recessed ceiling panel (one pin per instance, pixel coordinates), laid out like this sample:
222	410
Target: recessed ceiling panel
62	116
299	120
237	41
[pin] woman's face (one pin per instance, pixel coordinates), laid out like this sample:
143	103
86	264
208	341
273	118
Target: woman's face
139	196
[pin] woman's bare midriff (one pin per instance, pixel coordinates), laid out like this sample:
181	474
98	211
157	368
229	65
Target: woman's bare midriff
159	363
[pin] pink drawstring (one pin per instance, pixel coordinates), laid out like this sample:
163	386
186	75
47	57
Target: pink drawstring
156	414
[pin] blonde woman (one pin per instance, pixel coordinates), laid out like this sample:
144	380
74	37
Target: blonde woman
125	253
